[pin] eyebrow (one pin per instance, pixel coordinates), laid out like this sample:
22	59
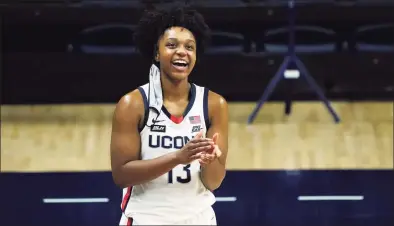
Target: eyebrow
191	40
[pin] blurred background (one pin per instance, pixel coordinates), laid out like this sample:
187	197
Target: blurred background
292	160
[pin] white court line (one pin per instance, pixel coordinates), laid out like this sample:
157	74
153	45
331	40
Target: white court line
75	200
226	199
330	197
103	200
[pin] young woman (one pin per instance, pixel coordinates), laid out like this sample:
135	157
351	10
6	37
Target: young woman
169	136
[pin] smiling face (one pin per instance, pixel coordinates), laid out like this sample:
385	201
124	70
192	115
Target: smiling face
177	53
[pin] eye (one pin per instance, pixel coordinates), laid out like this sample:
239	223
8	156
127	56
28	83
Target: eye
190	47
171	45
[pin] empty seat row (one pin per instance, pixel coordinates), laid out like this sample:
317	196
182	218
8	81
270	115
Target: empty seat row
117	39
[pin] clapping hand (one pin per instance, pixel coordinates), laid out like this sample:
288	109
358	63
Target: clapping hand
194	149
210	155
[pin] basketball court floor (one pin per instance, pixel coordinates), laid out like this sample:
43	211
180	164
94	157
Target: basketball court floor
283	170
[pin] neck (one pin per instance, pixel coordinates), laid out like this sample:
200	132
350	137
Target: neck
175	90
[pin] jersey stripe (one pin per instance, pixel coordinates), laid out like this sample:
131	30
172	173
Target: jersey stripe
126	199
129	221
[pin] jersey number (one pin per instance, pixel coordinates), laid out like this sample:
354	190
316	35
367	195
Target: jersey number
183	180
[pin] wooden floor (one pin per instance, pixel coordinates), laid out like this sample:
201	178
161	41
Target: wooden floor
76	137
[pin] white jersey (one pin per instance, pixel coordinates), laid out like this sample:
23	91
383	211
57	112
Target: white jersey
178	194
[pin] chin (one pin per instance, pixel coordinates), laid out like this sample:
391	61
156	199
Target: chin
179	76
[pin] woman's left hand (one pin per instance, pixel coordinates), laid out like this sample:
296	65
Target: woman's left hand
209	156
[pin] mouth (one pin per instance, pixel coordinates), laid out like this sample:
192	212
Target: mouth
180	65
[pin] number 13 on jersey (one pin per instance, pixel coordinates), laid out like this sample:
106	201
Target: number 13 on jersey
183	179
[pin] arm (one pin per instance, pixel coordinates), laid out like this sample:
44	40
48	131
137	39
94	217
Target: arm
127	169
213	174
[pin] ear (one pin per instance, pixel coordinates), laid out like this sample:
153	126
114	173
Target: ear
156	52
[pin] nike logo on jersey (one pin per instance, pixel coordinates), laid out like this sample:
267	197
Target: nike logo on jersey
156	121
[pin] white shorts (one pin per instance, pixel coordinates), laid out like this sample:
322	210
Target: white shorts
206	217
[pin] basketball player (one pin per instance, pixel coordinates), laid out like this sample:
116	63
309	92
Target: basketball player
169	136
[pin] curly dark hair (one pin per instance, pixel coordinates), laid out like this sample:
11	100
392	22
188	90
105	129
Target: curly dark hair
155	22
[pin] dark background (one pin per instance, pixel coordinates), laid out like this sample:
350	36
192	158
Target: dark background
44	59
82	52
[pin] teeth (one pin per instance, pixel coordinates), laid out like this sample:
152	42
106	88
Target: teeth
180	62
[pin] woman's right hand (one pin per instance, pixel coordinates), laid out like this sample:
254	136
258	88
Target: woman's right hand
192	150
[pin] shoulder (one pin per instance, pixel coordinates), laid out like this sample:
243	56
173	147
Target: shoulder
216	100
130	107
217	104
132	99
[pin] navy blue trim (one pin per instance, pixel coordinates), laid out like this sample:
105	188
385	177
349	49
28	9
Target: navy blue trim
192	98
166	112
205	106
146	108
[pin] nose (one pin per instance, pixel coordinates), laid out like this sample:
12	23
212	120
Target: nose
181	51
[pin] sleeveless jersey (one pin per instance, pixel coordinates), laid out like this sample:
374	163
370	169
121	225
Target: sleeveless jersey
178	194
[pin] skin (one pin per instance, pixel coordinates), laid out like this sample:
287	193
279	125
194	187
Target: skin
127	168
214	165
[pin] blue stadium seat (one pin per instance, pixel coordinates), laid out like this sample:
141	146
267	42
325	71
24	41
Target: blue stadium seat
226	42
105	39
110	3
218	3
374	3
375	38
308	39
